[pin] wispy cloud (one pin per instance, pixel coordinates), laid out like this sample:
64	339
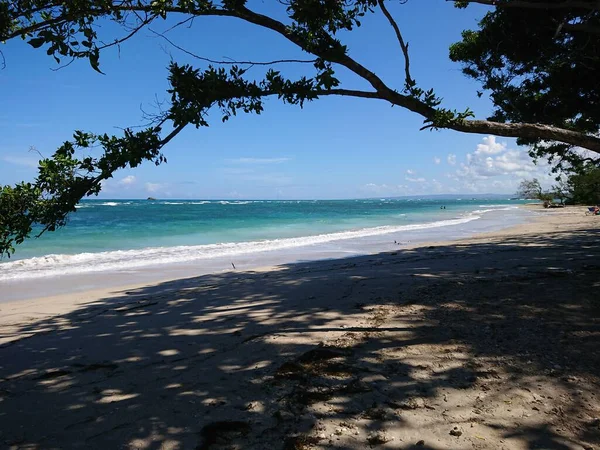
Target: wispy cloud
153	188
127	181
386	189
451	159
257	161
256	170
278	179
437	160
24	161
237	170
257	176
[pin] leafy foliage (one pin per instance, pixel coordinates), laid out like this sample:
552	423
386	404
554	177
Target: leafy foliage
65	179
581	187
530	189
540	66
584	186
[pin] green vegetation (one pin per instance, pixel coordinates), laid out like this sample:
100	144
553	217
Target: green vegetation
580	188
537	61
530	190
584	187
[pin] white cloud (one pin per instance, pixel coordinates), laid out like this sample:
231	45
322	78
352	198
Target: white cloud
24	161
452	159
415	180
493	167
257	160
437	186
490	146
127	181
152	188
410	172
437	160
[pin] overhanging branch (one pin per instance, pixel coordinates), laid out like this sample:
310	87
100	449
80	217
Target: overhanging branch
133	32
532	131
582	27
403	45
382	91
558	4
213	61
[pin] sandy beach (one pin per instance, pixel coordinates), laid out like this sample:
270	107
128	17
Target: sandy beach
488	342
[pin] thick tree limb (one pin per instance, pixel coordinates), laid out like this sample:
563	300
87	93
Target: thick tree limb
558	4
581	27
540	131
528	130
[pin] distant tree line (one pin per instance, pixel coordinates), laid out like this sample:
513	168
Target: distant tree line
578	188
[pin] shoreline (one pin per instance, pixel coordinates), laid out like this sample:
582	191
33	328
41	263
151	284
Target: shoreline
105	231
46	306
377	240
488	342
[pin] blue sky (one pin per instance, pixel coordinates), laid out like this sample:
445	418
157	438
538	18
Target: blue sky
333	148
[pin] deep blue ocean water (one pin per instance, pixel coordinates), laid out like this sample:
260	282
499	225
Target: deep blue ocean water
132	233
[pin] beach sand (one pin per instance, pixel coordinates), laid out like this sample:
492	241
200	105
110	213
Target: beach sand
489	342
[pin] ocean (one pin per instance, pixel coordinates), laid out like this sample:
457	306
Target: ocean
112	236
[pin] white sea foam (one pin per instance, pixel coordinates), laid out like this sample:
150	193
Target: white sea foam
494	208
53	265
238	202
109	204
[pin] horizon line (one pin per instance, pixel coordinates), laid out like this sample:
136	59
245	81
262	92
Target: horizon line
462	195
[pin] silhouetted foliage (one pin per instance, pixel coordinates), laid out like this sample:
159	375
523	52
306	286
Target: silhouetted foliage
540	65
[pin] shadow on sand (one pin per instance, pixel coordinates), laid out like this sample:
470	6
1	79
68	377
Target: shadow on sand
440	347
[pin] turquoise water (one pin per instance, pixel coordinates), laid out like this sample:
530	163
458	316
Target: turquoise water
131	233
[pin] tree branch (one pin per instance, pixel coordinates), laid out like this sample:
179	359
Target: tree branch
529	130
382	91
385	93
351	93
134	31
564	4
252	63
404	46
581	27
274	25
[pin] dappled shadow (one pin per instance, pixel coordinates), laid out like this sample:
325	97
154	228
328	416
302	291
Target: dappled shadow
436	347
